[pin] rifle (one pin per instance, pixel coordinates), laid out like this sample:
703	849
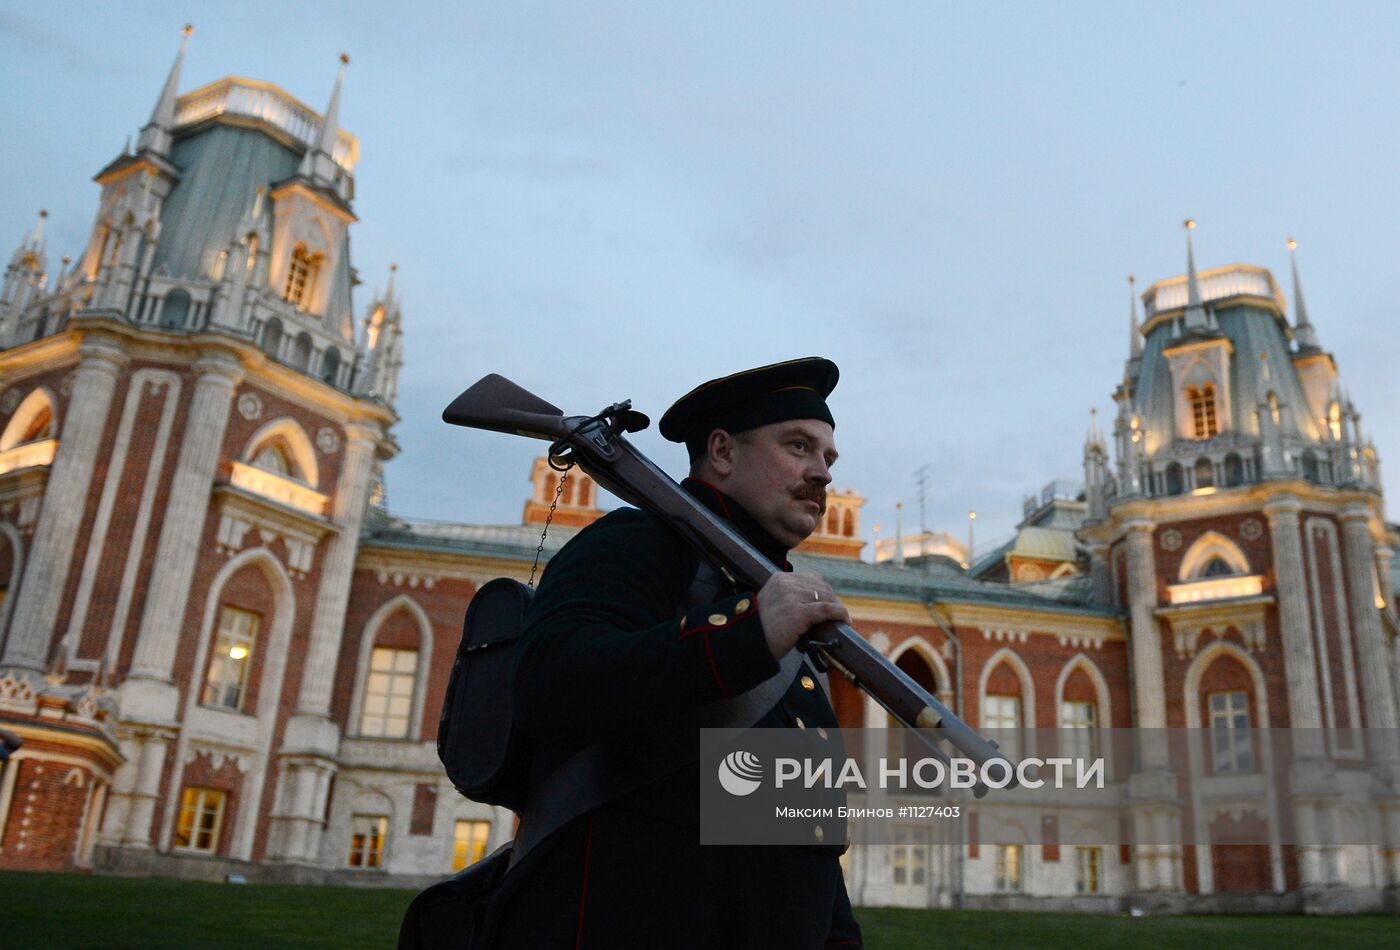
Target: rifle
597	444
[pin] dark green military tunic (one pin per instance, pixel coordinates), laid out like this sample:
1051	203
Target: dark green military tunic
609	648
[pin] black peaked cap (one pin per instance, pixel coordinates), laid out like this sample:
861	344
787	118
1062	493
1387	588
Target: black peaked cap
795	389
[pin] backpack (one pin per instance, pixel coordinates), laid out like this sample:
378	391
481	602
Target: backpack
485	755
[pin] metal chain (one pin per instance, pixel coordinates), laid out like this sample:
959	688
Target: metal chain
548	518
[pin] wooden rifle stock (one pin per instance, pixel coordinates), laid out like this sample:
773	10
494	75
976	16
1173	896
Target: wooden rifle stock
597	445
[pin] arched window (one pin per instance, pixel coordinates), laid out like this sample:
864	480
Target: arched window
1212	555
282	447
1203	417
848	523
330	365
301	351
913	664
1234	470
301	277
226	683
1001	709
1174	479
1205	473
388	700
174	311
252	253
272	458
1334	420
1216	567
1310	469
272	338
33	421
1273	407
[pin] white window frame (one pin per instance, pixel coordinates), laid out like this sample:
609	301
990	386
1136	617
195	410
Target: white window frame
1230	723
368	850
198	808
1010	869
1088	870
227	639
385	688
1079	729
469	848
1002	714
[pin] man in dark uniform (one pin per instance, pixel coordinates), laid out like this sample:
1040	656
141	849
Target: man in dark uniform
615	646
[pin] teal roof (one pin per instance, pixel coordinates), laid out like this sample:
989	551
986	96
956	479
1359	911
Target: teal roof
221	169
937	583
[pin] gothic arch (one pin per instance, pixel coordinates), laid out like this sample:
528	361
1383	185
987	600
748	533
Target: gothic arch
1207	548
29	412
276	645
1023	676
1102	698
425	660
288	434
929	654
1192	688
1101	693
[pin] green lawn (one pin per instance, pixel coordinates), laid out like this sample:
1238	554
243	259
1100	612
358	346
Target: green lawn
71	911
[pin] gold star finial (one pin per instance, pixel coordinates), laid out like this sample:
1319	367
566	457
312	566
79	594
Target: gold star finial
1190	224
345	59
189	28
1292	244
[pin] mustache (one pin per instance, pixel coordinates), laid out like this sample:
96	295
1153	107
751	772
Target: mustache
815	493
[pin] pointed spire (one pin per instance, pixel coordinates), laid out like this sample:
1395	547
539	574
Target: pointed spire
38	239
389	292
318	162
1134	331
156	135
1195	311
1302	329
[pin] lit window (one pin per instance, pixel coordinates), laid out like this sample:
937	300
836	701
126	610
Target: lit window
1009	867
252	253
1087	862
367	833
301	278
201	815
1229	731
1203	410
1078	739
233	655
389	693
1002	715
469	843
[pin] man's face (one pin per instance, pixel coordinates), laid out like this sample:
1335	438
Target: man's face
779	473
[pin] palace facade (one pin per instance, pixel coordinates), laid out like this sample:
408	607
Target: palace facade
224	656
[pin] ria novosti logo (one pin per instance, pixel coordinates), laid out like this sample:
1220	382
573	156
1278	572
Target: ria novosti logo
740	773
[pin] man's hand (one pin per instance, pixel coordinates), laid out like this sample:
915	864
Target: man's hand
791	604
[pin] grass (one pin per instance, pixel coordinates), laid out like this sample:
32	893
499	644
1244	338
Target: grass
75	911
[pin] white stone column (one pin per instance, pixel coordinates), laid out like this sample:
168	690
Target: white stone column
1360	560
217	374
65	499
877	885
1146	642
142	808
1299	663
337	564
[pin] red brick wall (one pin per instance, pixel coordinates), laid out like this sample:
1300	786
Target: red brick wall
137	469
45	816
445	604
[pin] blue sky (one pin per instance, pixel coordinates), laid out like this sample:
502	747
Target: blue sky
622	200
